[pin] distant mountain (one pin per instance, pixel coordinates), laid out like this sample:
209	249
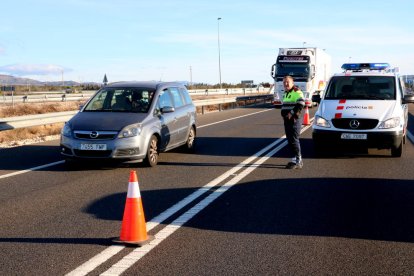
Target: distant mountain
10	80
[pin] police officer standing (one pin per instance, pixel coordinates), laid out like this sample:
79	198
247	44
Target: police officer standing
293	103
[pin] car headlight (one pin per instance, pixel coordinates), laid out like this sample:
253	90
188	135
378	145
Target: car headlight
130	131
390	123
66	131
319	121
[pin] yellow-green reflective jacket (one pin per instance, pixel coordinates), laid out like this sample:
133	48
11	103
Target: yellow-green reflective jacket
293	101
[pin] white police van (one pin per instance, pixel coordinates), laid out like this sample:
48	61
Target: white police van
364	106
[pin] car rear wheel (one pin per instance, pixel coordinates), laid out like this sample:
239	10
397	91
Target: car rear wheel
151	159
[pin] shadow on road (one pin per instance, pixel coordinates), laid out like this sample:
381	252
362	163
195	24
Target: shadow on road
104	242
371	209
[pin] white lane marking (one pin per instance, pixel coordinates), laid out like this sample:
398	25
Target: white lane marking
130	259
102	257
98	259
233	118
32	169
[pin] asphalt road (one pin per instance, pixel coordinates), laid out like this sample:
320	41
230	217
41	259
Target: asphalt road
341	214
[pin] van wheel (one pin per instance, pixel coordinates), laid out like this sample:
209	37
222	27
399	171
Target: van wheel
190	144
151	159
397	151
318	148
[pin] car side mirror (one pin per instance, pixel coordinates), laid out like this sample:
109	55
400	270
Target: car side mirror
408	98
316	98
167	109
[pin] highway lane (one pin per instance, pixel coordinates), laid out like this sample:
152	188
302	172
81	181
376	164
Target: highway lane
53	220
53	207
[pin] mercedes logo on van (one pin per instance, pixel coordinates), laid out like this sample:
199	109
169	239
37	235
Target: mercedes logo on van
354	124
94	134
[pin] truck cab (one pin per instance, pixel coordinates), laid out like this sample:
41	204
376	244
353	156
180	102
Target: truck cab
365	106
309	67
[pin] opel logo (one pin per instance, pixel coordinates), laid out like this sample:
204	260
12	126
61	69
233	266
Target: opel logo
354	124
94	134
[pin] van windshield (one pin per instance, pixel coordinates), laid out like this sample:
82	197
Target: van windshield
116	99
361	88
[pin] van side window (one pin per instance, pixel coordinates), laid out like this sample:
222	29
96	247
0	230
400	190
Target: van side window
178	100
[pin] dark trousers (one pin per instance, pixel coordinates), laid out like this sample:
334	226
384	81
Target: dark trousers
292	130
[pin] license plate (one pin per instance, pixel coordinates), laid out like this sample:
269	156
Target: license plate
93	147
356	136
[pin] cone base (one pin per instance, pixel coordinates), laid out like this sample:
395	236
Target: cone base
134	243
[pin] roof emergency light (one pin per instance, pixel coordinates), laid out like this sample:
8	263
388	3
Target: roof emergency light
366	66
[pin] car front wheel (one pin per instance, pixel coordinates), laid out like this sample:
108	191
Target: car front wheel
397	151
151	159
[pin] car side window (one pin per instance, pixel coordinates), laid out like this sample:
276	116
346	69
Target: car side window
178	100
165	99
186	95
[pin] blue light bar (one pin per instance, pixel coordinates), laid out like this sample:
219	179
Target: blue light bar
366	66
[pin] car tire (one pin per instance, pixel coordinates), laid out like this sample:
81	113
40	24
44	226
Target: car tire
397	151
190	143
151	158
72	164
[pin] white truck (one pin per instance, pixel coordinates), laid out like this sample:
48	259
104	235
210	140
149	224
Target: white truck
310	68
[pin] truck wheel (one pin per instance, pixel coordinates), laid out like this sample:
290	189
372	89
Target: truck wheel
151	159
397	151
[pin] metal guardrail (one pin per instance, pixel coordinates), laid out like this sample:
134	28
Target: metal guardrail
35	120
60	117
36	97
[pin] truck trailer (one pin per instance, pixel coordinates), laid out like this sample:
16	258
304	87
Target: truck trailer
310	68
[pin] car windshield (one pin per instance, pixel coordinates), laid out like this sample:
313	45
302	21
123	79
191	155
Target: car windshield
116	99
361	87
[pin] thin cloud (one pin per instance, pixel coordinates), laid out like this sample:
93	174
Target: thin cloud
33	69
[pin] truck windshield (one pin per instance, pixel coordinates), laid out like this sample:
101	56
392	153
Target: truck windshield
361	87
292	69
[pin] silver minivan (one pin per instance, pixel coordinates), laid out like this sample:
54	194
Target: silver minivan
131	121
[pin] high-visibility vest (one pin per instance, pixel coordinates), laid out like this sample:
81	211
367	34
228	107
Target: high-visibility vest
291	99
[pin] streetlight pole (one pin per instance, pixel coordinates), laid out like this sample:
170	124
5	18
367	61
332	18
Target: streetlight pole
218	40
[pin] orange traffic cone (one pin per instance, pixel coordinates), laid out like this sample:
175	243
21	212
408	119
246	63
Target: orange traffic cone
133	229
306	120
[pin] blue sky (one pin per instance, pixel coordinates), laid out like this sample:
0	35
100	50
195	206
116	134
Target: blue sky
162	40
